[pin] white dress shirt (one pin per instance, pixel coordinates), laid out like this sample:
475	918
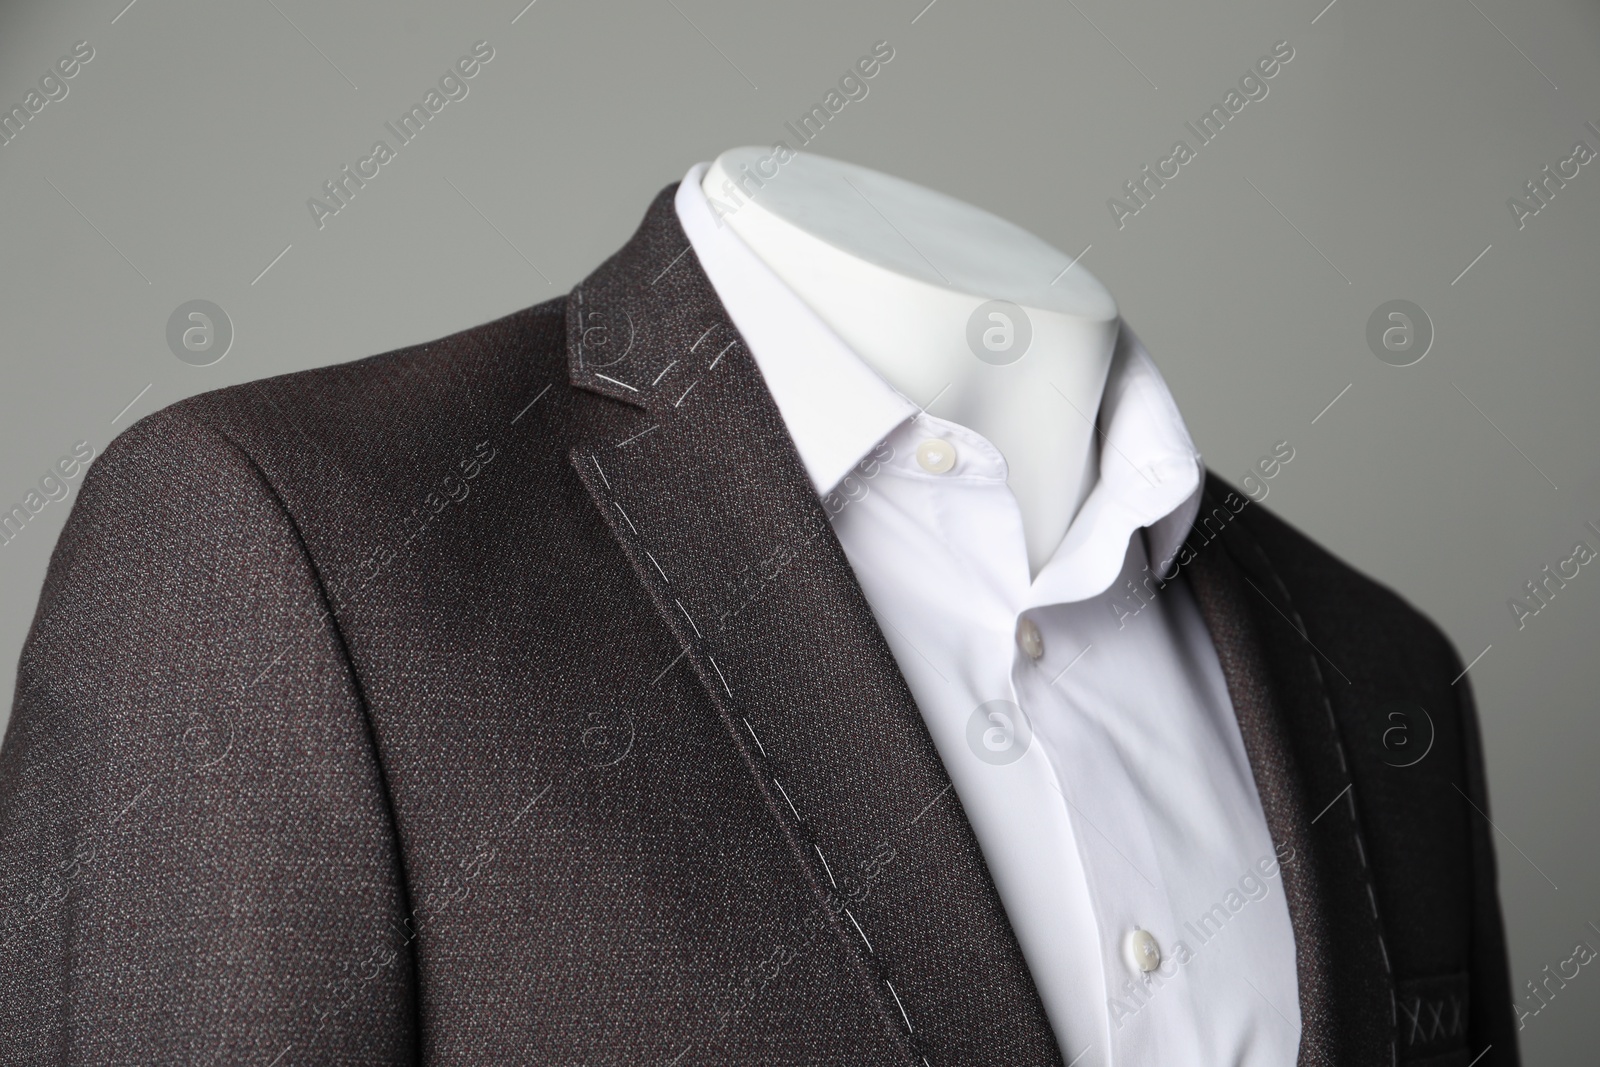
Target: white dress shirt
1084	722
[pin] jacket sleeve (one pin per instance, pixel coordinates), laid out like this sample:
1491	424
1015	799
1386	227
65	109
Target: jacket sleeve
1492	1012
198	862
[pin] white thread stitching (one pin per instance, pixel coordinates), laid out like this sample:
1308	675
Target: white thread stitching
827	868
1338	746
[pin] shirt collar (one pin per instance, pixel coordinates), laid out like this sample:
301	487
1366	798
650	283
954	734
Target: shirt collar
1149	477
837	408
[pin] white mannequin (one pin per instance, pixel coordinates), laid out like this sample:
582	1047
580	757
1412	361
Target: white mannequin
897	271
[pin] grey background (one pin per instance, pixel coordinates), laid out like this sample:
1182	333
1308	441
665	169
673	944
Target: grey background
1377	168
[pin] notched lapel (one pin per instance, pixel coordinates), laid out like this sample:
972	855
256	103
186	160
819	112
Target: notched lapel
713	509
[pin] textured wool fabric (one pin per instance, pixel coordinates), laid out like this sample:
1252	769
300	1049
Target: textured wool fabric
1392	891
509	699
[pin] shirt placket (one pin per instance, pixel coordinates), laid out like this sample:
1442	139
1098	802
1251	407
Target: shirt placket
1144	1016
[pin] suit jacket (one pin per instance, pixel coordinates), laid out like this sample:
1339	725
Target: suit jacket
508	698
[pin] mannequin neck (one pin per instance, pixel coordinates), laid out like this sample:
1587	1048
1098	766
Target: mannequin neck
900	272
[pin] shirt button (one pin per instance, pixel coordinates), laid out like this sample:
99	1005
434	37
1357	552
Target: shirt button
1143	950
1029	639
936	455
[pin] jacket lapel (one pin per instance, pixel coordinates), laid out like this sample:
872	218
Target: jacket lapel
1278	690
703	489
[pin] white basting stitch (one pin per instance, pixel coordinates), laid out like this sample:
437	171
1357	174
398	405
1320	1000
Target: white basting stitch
615	381
724	352
825	866
702	337
899	1005
686	615
785	793
659	571
1338	746
1361	849
862	932
718	669
686	392
664	370
754	738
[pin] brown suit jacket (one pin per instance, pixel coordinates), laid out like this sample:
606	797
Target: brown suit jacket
508	698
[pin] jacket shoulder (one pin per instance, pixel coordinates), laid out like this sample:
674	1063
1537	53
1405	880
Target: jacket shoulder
384	397
1329	593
